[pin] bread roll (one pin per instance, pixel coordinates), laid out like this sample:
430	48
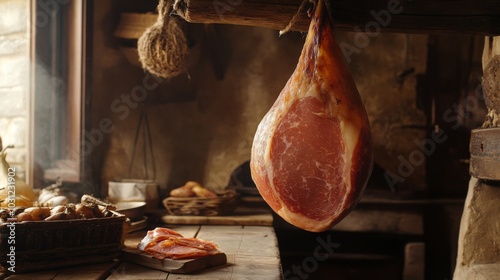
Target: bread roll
203	192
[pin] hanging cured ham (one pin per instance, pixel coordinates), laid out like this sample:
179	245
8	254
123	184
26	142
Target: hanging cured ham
312	152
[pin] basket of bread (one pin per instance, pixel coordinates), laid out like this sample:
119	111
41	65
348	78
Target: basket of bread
39	237
194	199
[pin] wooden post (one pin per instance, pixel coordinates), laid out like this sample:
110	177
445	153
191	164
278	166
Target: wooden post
423	16
491	81
479	238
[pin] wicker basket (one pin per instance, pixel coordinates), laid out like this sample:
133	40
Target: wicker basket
223	204
43	245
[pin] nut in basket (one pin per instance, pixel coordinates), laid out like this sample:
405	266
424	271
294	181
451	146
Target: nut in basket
62	239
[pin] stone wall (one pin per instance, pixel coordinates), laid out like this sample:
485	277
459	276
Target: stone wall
14	78
206	131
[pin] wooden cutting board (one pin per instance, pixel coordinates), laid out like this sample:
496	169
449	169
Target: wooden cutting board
133	255
173	266
242	216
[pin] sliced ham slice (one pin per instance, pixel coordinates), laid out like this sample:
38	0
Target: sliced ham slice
166	243
312	152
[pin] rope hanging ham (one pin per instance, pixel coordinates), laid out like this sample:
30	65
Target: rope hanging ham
312	152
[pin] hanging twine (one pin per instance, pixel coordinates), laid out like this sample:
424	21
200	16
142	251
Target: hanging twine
295	17
147	145
163	48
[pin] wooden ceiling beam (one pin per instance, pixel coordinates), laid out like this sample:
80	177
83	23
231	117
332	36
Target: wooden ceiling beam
402	16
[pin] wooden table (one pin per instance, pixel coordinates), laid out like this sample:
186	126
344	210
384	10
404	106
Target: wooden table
252	253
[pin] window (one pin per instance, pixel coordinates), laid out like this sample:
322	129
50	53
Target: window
42	45
58	89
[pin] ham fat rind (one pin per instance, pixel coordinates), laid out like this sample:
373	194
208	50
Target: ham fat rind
312	152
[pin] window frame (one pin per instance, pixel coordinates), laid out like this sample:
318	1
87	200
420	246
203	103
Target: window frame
61	44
